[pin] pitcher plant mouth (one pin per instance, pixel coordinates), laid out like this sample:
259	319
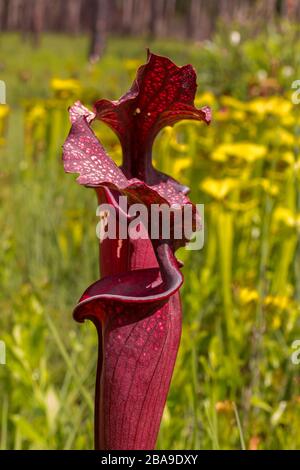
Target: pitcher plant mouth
135	305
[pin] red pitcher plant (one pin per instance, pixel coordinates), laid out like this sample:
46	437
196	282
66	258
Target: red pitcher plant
135	305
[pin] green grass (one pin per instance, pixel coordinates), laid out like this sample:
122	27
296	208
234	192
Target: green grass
234	382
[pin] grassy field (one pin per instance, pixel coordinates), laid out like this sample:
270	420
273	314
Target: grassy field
234	385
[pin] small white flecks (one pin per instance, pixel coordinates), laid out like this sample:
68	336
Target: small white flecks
137	111
148	114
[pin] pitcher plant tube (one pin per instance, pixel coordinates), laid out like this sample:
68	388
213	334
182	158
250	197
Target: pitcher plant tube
135	305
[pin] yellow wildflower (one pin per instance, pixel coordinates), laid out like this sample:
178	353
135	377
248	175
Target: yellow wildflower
4	110
242	150
247	295
218	188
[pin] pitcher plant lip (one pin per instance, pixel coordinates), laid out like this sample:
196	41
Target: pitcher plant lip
174	283
135	305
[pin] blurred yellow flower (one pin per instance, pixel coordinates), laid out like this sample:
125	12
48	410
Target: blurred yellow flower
132	64
227	114
181	164
242	150
247	295
4	110
218	188
286	217
205	98
63	88
36	113
231	102
277	301
276	322
288	120
279	136
238	115
288	157
275	105
267	185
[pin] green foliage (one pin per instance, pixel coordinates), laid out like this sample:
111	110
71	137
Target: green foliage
234	384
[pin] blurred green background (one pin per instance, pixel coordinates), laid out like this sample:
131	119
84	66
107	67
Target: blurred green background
234	384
